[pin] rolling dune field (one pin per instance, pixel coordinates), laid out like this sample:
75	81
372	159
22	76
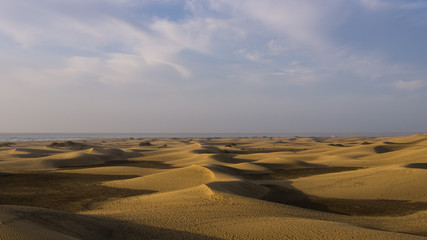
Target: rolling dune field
215	188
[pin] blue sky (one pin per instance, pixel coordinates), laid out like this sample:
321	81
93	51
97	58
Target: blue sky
213	66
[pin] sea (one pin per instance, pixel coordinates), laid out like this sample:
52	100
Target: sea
13	137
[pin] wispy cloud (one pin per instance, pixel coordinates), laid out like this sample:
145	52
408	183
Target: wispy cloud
409	85
203	50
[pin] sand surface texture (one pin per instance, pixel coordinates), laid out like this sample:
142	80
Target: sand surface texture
212	188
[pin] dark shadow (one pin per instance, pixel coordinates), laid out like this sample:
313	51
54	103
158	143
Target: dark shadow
383	149
292	196
38	151
208	150
266	150
408	143
60	191
150	232
142	150
309	171
245	150
320	139
94	227
7	144
281	166
129	163
221	155
229	158
389	148
30	155
354	207
417	165
244	174
240	188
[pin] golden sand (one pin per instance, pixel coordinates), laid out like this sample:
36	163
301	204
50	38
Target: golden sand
240	188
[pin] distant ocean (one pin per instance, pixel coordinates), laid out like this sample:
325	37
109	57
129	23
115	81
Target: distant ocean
10	137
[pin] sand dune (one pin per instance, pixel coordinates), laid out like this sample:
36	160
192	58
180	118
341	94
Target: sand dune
212	188
390	182
168	181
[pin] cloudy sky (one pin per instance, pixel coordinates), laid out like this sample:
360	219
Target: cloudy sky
213	65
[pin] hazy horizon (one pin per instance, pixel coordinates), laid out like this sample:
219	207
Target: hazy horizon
213	66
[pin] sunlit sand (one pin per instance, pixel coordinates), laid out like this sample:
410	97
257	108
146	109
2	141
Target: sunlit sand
213	188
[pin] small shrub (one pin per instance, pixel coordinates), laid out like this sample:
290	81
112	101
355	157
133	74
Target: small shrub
231	145
57	144
336	145
147	143
71	144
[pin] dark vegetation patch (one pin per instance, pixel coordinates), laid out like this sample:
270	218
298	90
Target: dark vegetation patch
147	143
69	144
60	191
231	145
336	145
353	207
417	165
7	144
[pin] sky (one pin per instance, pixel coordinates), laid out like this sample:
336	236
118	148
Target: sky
169	66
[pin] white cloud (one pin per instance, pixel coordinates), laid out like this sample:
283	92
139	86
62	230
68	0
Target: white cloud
156	42
369	65
409	85
205	50
299	20
300	75
271	32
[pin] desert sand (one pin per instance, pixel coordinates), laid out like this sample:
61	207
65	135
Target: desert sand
215	188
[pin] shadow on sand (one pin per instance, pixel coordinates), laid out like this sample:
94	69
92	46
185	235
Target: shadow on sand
93	227
60	191
353	207
417	165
